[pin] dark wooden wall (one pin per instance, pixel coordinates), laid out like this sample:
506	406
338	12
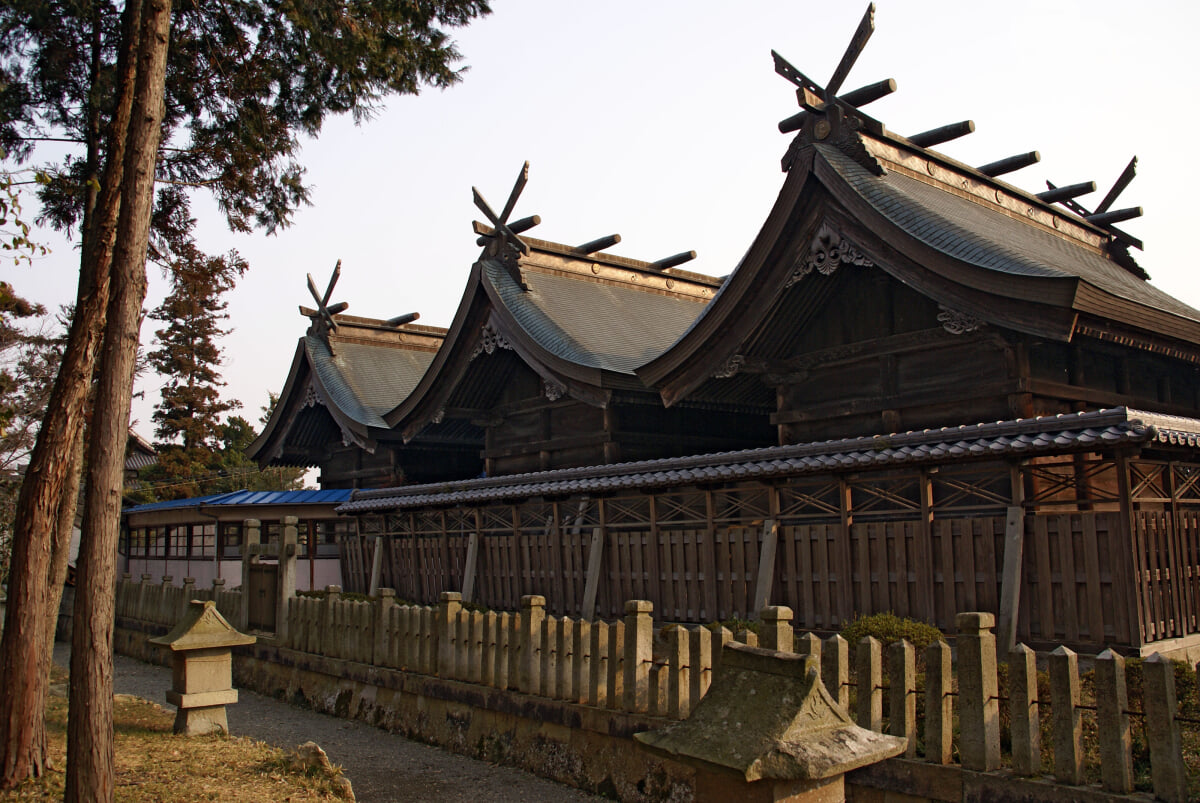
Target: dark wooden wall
845	547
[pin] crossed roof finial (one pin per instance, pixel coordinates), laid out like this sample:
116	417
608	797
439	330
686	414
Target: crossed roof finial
325	311
500	222
823	110
502	240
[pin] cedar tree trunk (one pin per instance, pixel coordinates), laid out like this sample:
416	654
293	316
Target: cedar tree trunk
24	649
90	764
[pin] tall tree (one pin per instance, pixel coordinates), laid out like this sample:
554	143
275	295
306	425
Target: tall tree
189	412
90	750
244	79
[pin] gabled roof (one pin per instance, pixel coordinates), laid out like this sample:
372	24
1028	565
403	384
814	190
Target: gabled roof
581	321
1072	432
858	194
341	384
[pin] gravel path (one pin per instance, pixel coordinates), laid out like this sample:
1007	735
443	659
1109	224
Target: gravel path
383	767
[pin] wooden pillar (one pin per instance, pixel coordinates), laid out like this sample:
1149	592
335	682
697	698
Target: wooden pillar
654	590
1014	554
468	584
559	604
445	581
1136	576
845	594
418	585
1181	589
766	566
708	561
587	610
924	571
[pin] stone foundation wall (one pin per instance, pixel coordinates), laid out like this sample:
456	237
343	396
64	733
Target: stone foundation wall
578	745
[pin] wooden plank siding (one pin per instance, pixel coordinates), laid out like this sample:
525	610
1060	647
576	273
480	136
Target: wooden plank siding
1085	579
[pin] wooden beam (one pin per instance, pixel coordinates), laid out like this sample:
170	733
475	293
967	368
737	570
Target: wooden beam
946	133
673	261
592	584
1010	165
1117	188
1115	216
1132	562
599	244
855	97
766	567
468	585
866	27
1057	194
376	567
1010	582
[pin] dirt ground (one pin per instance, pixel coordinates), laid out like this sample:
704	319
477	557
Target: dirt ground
383	767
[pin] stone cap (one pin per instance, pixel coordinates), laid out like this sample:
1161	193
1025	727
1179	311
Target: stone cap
202	628
768	716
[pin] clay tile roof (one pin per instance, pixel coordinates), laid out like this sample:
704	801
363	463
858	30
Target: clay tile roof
1023	436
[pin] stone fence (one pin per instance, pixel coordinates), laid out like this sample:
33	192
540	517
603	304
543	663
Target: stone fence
635	667
165	604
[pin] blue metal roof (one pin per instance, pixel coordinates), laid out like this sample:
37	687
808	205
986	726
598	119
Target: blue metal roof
323	497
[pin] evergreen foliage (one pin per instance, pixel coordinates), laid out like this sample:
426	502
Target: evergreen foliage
245	78
188	416
889	628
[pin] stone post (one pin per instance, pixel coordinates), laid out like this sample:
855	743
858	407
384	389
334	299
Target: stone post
447	630
979	708
902	707
939	719
679	671
549	658
582	637
700	662
143	600
776	628
1167	771
614	675
598	679
1112	724
287	576
868	677
808	644
835	669
533	613
639	653
1024	711
1065	716
383	629
251	537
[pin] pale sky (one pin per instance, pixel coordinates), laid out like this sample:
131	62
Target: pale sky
657	121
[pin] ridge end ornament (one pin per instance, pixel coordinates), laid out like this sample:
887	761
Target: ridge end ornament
958	323
826	252
489	341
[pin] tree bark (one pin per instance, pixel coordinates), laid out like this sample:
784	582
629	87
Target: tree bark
24	649
90	764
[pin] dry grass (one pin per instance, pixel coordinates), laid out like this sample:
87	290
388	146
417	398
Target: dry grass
153	764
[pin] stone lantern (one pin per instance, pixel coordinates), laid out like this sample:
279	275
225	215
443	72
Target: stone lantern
768	731
202	668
